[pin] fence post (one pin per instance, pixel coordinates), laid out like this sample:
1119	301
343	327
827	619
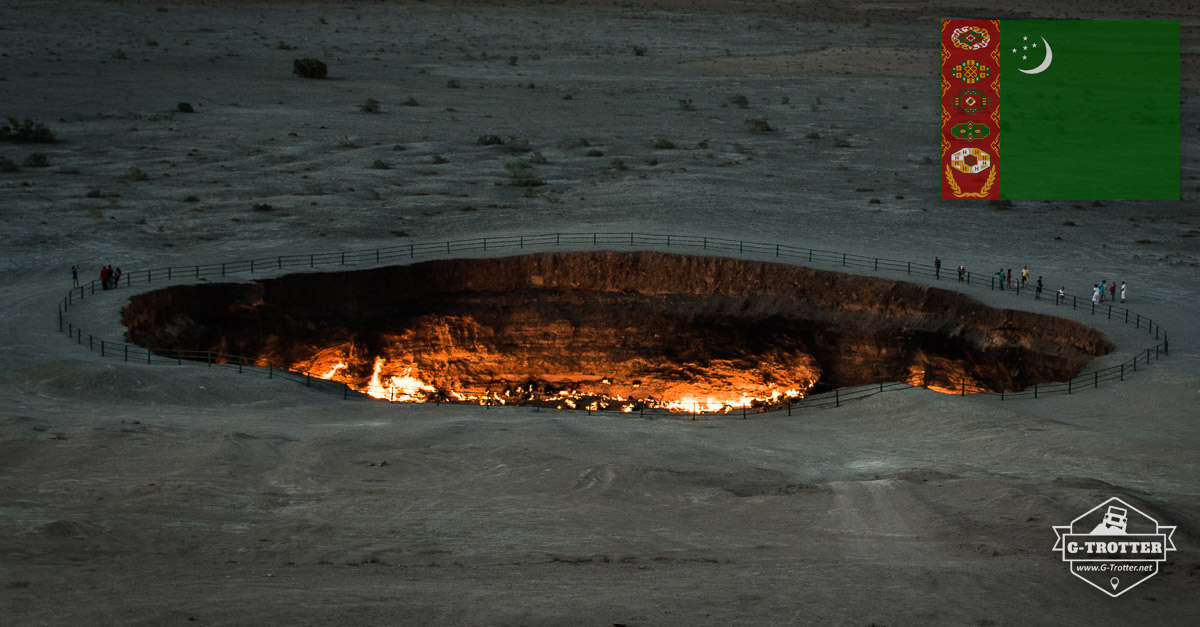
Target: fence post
843	259
706	243
777	250
101	348
1001	391
147	356
126	352
1138	322
1035	390
251	267
810	255
789	404
1069	382
1110	312
307	379
1074	302
270	370
343	257
968	278
910	267
1147	355
311	260
410	251
837	397
877	264
197	272
1096	376
92	337
168	276
1122	372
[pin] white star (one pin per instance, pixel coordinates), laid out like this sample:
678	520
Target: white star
1034	45
1024	47
1026	38
1014	49
1023	57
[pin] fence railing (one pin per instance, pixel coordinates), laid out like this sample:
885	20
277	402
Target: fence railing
383	255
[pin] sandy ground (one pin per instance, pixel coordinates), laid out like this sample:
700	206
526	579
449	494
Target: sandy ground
150	495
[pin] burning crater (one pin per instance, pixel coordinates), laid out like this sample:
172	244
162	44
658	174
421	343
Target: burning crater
614	330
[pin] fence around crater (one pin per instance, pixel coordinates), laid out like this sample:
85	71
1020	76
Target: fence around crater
600	241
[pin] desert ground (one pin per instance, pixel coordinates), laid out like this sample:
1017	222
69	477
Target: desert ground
141	494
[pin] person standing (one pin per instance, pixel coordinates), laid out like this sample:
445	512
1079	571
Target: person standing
1062	296
1037	295
1001	273
1096	292
116	278
1012	278
937	267
1112	292
962	271
1024	276
1122	291
104	274
75	275
1103	289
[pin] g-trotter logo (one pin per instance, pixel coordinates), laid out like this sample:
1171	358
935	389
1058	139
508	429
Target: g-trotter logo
1114	546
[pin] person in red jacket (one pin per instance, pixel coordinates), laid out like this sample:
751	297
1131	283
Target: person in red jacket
105	273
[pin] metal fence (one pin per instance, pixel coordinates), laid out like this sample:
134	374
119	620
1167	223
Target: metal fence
598	241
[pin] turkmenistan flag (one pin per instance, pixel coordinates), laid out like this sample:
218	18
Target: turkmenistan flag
1060	109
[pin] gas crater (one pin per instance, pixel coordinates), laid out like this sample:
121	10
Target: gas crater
614	330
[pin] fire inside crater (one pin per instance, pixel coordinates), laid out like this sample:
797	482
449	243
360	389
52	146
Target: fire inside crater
614	330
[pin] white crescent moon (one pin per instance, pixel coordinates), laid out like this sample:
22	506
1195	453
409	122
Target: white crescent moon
1046	63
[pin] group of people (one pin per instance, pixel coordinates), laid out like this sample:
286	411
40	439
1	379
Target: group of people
1010	279
1103	288
109	277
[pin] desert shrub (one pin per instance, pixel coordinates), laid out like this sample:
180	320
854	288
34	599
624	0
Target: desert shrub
739	100
262	206
93	193
639	51
538	157
784	100
618	164
512	60
702	143
686	105
664	144
758	125
26	132
380	164
595	153
411	102
650	161
7	165
36	160
489	140
135	174
515	145
191	198
185	107
283	45
453	83
521	174
370	106
439	159
309	68
842	143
